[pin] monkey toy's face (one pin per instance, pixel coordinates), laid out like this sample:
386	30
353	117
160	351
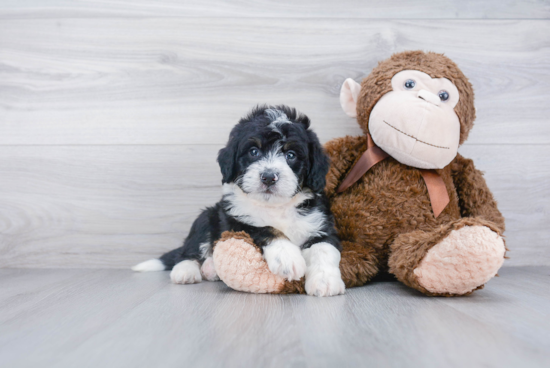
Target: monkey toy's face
415	122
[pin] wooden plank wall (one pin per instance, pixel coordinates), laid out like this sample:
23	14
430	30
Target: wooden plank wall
111	112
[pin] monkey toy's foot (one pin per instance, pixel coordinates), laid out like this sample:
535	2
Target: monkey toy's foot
462	262
241	266
454	259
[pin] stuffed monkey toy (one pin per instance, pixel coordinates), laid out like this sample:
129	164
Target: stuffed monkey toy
404	200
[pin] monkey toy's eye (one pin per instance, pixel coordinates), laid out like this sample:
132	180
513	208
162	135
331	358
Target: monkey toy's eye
254	152
290	156
409	84
443	95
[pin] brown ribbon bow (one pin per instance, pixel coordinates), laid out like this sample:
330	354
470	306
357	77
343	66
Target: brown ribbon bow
437	190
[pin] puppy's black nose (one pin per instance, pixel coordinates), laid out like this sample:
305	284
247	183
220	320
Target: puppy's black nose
269	178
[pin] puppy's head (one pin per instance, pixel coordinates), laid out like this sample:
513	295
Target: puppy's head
271	154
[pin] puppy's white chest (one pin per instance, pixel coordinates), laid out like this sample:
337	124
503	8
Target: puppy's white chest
298	227
282	219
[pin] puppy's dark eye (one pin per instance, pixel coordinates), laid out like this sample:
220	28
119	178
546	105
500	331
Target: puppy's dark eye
443	95
254	152
290	155
410	84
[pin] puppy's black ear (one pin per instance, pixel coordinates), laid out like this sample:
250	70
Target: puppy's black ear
226	160
318	164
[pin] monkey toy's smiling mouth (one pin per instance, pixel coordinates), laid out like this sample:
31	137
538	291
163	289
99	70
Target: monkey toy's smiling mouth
413	137
414	140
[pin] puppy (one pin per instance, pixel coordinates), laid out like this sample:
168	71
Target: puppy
273	175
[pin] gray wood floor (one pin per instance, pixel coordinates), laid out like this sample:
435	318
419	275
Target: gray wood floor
116	318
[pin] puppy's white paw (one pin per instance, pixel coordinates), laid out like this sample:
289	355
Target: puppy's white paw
186	272
323	277
325	283
285	259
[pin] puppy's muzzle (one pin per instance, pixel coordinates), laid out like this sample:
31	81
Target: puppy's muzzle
269	178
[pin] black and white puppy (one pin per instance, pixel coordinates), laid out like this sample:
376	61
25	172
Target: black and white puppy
273	170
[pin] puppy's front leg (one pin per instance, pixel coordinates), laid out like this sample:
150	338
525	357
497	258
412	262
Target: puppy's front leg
285	259
323	276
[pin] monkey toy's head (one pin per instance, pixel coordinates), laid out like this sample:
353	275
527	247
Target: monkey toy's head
417	106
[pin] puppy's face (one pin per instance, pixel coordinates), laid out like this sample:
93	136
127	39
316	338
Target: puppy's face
272	155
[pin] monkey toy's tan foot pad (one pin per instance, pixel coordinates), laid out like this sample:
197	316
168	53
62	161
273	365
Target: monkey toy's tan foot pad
241	266
466	259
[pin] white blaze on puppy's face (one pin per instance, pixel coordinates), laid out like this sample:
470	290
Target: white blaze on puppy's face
274	162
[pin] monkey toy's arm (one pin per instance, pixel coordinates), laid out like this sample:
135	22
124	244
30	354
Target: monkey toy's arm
343	153
475	198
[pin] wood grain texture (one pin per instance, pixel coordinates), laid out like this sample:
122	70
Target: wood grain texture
111	112
89	206
187	81
116	318
113	206
396	9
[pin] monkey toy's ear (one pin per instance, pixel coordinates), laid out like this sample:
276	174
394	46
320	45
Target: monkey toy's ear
348	97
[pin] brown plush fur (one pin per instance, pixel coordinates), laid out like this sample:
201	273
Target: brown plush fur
385	219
